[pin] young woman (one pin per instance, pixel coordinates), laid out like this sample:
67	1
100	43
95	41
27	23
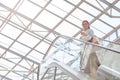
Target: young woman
87	33
89	60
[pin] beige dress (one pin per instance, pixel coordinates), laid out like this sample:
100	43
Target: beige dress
89	61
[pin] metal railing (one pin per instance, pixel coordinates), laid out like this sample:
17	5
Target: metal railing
71	38
65	70
69	50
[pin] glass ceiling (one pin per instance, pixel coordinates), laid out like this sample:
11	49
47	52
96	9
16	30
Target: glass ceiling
27	28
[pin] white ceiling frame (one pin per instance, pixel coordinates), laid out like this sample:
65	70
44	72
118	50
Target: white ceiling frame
114	7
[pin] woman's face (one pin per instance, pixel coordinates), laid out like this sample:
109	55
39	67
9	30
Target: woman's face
85	25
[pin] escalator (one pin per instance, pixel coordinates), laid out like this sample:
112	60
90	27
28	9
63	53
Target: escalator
109	44
71	52
60	71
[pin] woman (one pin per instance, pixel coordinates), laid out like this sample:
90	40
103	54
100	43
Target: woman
87	33
89	60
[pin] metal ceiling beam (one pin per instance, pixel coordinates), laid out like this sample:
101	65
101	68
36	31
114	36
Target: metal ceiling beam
104	11
20	35
9	16
27	31
31	20
15	63
14	39
75	7
38	72
114	7
22	43
11	51
90	15
117	40
98	16
56	14
14	42
107	35
4	77
27	18
65	18
19	66
30	72
14	71
39	13
100	11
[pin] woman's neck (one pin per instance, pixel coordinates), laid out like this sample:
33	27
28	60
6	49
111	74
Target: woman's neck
86	29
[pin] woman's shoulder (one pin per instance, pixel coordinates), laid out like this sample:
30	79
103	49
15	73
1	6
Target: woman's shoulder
89	30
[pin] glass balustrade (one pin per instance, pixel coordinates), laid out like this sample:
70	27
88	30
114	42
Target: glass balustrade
56	74
110	44
75	53
60	71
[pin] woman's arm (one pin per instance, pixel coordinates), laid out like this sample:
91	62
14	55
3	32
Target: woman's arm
90	32
83	33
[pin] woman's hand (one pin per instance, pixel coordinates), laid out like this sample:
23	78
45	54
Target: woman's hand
83	33
95	40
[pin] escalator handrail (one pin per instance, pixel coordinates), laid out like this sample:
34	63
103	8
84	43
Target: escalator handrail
108	70
77	40
69	71
109	41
